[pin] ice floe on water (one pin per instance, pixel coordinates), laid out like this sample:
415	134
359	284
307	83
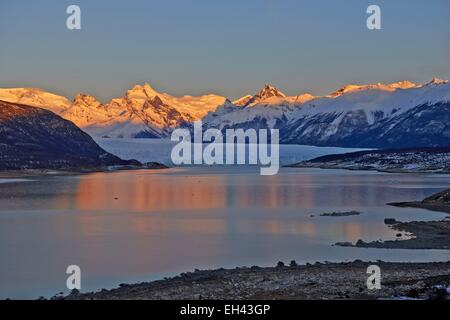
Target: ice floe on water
3	181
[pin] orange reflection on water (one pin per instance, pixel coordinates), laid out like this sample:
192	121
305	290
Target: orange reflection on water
278	228
160	225
292	228
352	231
147	192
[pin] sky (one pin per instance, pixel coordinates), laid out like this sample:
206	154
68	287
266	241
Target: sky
231	48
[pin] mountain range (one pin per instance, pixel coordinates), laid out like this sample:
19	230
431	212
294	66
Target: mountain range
395	115
141	113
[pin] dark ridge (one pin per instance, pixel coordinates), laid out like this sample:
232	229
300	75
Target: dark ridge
357	154
34	138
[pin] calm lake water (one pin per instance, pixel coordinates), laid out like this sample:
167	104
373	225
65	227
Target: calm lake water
143	225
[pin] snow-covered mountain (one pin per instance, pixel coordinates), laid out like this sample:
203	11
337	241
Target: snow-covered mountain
141	112
401	114
394	115
268	108
35	98
271	96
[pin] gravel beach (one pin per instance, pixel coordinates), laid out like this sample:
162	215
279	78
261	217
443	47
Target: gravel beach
318	281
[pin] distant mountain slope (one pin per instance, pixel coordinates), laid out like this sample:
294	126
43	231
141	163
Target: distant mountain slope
391	160
34	138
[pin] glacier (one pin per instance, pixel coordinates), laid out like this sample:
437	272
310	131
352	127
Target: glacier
159	150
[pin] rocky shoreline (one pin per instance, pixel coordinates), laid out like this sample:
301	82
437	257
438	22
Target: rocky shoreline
425	235
438	202
421	205
30	173
340	281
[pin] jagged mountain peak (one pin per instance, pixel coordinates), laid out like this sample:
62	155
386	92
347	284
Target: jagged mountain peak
437	81
268	95
269	91
141	91
86	100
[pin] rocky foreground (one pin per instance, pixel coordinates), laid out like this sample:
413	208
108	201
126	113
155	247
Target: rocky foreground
318	281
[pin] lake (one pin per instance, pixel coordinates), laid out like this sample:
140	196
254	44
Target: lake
133	226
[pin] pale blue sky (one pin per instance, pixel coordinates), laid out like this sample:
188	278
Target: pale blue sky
229	47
